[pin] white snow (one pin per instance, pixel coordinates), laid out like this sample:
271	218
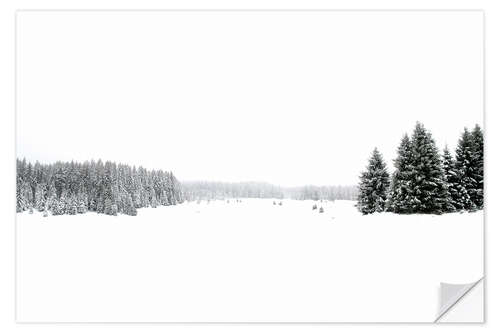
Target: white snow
248	261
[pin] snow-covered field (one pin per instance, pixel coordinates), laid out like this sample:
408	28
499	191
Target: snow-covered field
248	261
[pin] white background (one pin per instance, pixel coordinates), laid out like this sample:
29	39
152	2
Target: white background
7	141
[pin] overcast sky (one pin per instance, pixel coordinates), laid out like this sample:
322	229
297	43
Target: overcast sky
284	97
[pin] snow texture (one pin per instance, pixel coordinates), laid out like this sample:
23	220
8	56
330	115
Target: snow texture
248	260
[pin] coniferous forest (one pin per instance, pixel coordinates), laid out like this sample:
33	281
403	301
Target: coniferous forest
107	188
424	180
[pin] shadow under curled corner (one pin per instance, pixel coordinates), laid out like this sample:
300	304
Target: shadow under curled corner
461	303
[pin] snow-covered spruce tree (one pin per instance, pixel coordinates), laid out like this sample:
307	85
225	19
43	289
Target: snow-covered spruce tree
400	188
82	204
163	198
154	202
129	206
373	186
29	186
26	196
477	196
464	157
21	203
72	207
52	203
455	190
21	200
110	189
40	198
100	205
60	207
429	193
108	210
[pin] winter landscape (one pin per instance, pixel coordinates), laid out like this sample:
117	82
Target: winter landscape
251	241
238	166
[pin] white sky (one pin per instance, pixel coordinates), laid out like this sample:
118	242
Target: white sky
286	97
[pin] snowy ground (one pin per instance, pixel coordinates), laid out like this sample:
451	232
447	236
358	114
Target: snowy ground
249	261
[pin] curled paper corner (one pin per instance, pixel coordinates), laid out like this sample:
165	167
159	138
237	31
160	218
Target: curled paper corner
461	302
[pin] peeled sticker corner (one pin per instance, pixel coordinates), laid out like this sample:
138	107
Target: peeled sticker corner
461	302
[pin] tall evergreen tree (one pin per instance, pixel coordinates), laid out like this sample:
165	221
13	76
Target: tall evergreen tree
21	203
429	193
373	186
72	206
477	195
129	206
82	203
455	190
39	203
401	179
52	203
466	170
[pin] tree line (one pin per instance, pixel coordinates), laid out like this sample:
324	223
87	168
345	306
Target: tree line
214	190
313	192
102	187
206	190
425	180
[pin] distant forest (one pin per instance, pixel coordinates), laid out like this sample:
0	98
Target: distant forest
112	189
204	190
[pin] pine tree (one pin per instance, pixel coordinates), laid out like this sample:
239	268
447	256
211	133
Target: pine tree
154	202
52	203
429	193
82	204
100	207
110	189
477	195
401	179
455	190
464	157
72	205
129	206
163	198
374	184
39	198
29	186
24	200
21	203
108	210
61	203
